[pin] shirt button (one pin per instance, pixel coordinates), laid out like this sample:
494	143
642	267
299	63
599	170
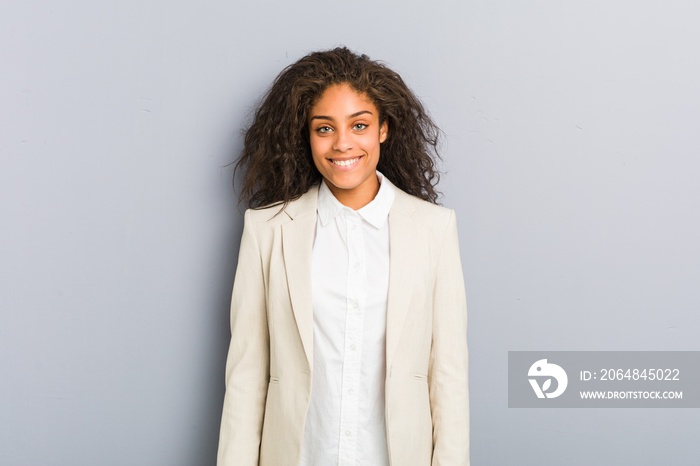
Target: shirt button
351	391
347	432
353	347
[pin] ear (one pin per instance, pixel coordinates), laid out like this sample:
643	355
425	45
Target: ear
383	132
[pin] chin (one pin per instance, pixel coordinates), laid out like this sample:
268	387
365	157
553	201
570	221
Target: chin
349	180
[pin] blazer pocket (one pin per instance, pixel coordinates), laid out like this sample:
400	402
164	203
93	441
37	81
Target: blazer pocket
274	379
420	377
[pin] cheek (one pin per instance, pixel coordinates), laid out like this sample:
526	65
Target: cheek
317	152
317	146
372	144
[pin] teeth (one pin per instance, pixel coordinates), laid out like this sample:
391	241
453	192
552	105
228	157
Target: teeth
345	163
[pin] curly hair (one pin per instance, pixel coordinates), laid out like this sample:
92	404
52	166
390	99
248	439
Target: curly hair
276	159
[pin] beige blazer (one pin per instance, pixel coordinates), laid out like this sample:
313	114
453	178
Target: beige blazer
270	360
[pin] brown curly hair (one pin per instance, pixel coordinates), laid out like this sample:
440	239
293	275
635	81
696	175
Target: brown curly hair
276	158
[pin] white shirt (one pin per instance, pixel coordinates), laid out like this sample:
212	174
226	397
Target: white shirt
350	283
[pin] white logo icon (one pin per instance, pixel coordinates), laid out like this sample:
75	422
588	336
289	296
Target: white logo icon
551	371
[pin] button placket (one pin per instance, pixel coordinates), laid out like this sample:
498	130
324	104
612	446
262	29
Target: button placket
356	283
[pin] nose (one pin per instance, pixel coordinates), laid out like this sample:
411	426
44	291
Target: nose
343	141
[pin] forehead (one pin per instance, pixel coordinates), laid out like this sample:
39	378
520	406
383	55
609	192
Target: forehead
342	100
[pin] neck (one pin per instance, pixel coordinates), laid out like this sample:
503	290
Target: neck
358	197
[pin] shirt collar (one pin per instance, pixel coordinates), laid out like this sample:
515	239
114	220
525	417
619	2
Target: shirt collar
375	213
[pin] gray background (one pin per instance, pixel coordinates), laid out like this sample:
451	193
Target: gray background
571	159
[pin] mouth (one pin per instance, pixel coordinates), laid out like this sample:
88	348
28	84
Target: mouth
345	162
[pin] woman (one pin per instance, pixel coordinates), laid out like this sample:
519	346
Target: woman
348	315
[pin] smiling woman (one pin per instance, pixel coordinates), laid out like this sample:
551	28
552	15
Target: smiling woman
348	314
345	136
276	159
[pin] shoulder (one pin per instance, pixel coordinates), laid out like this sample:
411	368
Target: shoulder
278	213
422	212
431	228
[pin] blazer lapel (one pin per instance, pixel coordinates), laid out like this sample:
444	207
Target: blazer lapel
401	265
297	244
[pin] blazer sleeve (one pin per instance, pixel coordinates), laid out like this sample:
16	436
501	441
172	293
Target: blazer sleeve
247	364
448	369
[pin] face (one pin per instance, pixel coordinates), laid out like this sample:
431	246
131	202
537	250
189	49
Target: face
345	134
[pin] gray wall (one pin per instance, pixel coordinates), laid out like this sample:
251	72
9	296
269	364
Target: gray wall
572	161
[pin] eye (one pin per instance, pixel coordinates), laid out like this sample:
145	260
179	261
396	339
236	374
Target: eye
323	129
359	126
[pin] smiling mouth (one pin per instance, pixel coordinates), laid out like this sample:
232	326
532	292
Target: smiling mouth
346	162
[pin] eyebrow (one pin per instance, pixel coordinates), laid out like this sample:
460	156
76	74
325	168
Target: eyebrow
354	115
